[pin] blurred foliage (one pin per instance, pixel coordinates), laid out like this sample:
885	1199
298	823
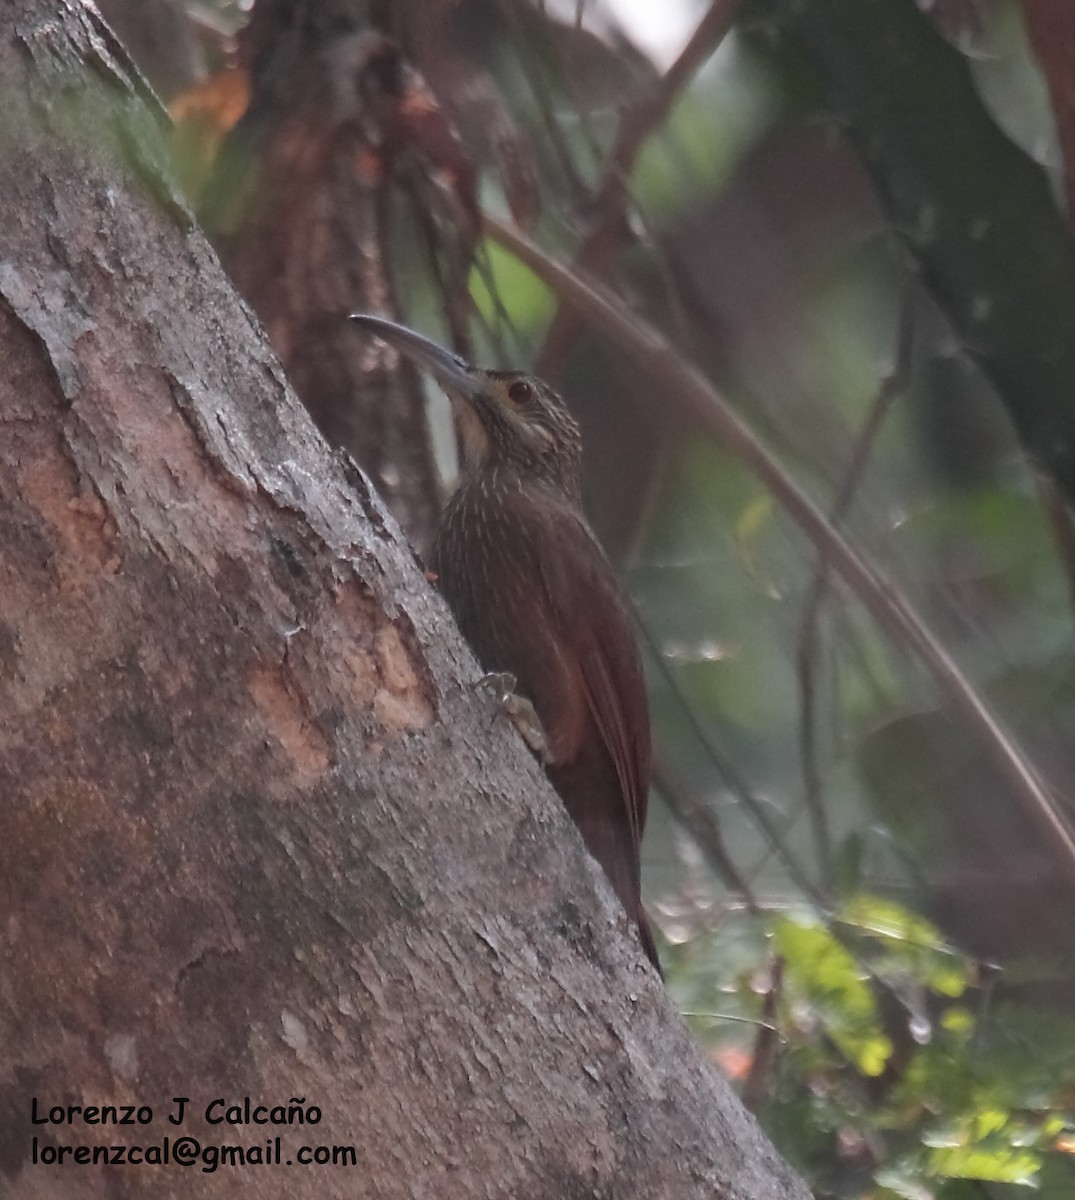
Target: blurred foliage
912	957
899	1072
904	1065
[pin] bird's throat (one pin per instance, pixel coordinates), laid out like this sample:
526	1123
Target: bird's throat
473	439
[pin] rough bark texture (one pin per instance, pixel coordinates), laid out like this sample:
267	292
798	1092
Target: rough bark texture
299	208
259	834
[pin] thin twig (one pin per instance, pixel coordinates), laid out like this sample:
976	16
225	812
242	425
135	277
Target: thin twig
637	125
699	820
738	785
767	1043
649	113
891	386
682	385
535	77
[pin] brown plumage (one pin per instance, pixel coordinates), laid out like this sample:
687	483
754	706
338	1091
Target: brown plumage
535	597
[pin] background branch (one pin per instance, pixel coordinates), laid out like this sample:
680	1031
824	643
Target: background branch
679	382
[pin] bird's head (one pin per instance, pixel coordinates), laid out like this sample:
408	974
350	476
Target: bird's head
509	422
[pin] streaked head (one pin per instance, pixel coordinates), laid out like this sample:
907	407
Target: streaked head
508	421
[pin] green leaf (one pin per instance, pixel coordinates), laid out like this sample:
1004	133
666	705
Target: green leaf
1000	1165
822	971
503	275
912	944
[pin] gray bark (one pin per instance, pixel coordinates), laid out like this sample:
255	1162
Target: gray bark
259	834
159	36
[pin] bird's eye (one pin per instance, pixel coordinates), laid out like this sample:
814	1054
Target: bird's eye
520	392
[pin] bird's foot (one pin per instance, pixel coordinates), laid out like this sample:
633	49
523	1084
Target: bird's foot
519	711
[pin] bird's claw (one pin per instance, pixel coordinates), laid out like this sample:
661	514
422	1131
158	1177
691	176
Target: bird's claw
519	710
524	717
501	683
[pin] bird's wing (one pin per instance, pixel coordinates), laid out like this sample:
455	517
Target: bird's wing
594	620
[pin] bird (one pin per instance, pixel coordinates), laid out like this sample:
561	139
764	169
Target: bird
537	599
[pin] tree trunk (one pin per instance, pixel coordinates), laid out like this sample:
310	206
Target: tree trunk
300	209
260	836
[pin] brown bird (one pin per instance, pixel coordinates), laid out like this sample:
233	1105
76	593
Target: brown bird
536	598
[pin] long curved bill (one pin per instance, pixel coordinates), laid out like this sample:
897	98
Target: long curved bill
450	370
